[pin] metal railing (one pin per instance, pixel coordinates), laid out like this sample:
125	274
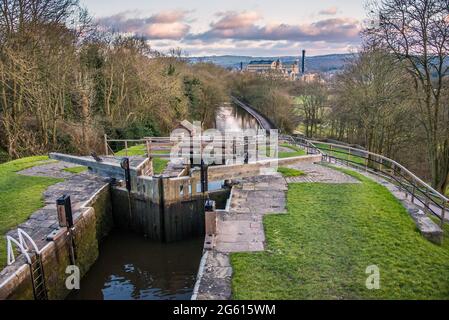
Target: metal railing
162	147
151	146
421	193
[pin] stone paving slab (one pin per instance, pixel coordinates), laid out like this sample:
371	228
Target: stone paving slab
241	229
81	187
319	173
44	221
215	277
50	170
174	168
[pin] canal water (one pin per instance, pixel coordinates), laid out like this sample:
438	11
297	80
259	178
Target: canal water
232	118
131	267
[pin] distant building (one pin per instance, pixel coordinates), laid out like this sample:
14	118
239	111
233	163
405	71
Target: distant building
261	66
291	70
312	77
286	70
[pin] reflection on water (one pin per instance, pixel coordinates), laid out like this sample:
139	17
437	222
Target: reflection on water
232	118
133	268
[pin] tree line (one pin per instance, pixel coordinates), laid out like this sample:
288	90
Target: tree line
64	82
393	96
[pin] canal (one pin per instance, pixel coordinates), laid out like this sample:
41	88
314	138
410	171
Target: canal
230	117
131	267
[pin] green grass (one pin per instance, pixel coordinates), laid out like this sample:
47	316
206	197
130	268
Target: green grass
331	234
296	152
340	153
289	172
20	196
75	170
159	165
137	150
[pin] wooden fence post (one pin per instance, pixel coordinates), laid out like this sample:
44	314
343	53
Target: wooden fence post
427	202
106	145
443	213
148	144
126	147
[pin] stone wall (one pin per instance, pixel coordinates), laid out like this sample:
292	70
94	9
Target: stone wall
91	224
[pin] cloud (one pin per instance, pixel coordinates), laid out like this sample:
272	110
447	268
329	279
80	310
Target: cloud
237	32
252	48
232	20
168	16
242	26
332	11
164	25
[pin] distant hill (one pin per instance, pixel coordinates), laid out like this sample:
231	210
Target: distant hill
328	63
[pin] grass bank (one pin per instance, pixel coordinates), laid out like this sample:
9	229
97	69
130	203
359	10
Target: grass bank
295	151
289	172
20	196
331	234
340	153
159	165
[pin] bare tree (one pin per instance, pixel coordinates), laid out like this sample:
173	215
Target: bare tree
372	98
313	96
417	32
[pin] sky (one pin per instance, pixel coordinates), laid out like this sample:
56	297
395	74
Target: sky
237	27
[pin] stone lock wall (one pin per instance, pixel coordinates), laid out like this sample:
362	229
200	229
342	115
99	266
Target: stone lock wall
92	223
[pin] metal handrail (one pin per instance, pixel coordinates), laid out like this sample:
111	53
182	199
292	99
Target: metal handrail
397	164
155	141
406	180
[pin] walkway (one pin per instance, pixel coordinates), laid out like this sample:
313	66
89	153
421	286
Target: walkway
42	223
320	173
241	229
263	121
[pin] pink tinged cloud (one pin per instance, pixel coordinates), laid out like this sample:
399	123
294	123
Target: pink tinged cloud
164	25
332	11
169	16
242	26
235	26
232	20
174	30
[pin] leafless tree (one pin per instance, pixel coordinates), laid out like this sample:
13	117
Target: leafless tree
417	33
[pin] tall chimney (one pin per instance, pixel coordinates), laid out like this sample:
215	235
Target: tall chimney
303	65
